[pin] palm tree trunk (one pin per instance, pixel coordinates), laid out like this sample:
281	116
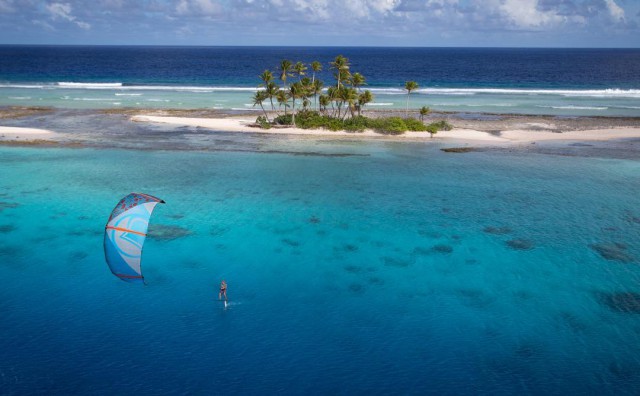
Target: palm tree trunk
265	112
407	111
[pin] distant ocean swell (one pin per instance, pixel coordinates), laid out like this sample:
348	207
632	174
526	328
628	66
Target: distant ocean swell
119	86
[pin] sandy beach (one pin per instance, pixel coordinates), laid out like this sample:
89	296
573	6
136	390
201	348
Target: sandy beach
530	132
20	133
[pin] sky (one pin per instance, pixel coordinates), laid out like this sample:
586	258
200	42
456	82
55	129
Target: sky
422	23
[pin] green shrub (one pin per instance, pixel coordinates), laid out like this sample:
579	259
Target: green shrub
283	119
263	122
356	124
390	125
442	126
431	128
415	125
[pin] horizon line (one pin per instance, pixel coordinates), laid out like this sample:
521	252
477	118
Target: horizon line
302	46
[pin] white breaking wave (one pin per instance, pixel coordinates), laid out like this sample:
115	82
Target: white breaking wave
576	107
118	86
121	87
380	104
128	94
487	105
88	85
158	100
612	92
20	97
92	99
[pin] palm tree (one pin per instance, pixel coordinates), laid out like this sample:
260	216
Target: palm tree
410	86
332	95
424	111
349	96
285	71
316	67
307	91
316	88
296	90
363	99
282	99
357	80
272	91
341	65
324	101
300	68
266	78
258	98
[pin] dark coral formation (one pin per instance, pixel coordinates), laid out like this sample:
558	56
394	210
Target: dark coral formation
497	230
396	262
626	302
520	244
441	248
631	218
444	249
353	269
314	220
346	248
356	288
374	280
7	228
613	251
290	242
459	149
8	205
164	232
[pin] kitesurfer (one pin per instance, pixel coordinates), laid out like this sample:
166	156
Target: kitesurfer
223	290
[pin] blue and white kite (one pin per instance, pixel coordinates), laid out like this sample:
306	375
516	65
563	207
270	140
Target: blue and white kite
125	233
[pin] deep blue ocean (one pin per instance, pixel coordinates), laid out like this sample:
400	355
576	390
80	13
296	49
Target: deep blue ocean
500	80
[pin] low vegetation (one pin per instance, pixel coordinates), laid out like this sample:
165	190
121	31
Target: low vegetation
309	119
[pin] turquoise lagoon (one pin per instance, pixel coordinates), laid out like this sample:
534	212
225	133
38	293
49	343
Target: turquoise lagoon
388	268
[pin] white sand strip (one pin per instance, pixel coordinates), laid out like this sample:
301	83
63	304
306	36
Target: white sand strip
242	125
13	133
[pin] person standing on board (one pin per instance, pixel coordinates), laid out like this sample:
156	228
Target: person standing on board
223	291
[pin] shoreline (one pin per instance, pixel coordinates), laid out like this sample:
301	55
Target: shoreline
536	133
87	128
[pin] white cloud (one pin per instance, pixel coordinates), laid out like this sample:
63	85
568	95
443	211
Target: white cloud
63	11
199	8
616	12
526	14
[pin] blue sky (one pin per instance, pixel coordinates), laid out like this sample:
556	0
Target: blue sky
517	23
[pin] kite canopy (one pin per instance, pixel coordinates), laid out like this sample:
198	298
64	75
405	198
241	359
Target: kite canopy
125	233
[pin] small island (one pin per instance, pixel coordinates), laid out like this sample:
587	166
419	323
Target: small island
305	103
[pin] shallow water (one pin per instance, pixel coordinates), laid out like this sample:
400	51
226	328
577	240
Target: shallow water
406	270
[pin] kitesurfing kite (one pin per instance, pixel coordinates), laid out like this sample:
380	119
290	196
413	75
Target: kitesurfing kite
125	233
